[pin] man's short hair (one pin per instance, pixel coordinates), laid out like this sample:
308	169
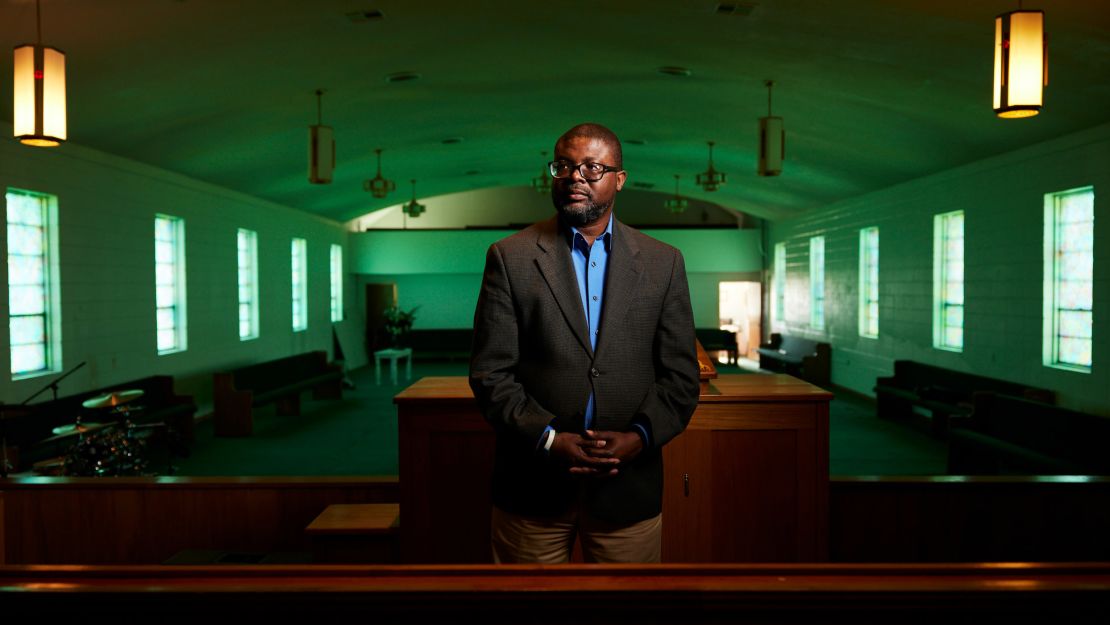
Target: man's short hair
599	132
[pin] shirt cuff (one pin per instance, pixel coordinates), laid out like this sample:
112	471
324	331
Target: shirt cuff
644	430
547	437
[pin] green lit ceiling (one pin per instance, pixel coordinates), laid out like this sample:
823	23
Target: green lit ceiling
873	92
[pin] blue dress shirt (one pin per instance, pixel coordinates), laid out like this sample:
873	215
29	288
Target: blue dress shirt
591	264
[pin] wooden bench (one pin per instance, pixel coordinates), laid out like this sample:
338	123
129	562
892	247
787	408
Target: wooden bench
1007	435
802	358
969	518
364	533
281	381
929	396
716	340
441	343
27	435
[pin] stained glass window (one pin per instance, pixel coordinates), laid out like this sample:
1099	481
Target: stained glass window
336	283
779	285
169	282
817	283
248	284
1069	286
948	281
869	282
300	285
34	331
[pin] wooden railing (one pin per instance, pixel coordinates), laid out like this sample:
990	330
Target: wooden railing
147	520
871	519
1007	593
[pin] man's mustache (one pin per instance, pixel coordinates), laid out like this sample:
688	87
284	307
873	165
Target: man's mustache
578	190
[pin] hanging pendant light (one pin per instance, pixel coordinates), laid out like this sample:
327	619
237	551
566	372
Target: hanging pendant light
711	179
39	107
1020	63
378	186
413	208
676	204
321	147
542	182
772	140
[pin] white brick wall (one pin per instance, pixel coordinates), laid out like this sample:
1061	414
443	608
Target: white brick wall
1003	202
106	209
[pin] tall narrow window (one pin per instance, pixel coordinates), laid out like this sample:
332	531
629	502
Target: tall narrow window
33	302
1069	229
869	282
248	284
300	285
336	283
948	281
778	287
169	282
817	283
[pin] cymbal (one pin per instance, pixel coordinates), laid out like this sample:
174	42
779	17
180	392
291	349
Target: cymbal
63	431
112	400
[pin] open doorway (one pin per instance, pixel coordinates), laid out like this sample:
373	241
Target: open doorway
739	305
378	298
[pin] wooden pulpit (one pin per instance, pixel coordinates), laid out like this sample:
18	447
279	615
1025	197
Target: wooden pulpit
746	482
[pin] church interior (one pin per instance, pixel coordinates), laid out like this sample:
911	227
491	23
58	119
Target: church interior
244	243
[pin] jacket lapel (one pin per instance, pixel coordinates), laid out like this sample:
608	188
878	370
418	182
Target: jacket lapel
555	265
621	283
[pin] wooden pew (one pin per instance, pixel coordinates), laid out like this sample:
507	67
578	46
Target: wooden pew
799	357
441	343
281	381
931	396
1011	593
717	340
146	520
960	518
1010	435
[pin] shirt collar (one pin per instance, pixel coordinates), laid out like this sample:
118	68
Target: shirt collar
607	237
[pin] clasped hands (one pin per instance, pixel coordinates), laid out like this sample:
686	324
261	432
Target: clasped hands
599	452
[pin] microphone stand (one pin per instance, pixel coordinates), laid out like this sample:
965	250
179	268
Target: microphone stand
53	386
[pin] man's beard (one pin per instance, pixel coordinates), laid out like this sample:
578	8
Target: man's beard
579	216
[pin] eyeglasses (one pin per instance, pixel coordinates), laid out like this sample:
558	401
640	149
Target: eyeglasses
590	172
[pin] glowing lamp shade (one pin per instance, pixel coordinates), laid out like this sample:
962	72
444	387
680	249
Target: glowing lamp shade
40	95
1020	63
772	146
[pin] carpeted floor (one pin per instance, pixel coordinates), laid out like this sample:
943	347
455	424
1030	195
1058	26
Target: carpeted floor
358	436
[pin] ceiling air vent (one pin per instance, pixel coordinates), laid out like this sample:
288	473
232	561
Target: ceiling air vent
402	77
360	17
742	9
673	70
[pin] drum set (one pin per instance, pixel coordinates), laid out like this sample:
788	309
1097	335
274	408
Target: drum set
103	447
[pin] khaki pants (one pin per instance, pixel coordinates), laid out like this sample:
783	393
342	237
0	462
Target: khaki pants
520	539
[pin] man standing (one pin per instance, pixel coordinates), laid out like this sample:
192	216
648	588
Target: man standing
585	364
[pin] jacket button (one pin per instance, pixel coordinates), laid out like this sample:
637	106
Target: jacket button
594	372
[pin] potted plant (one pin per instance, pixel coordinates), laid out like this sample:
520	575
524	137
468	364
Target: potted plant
398	324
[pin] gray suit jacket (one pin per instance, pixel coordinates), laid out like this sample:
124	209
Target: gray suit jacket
532	366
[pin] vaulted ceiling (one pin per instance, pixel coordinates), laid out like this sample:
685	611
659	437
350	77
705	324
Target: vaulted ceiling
873	92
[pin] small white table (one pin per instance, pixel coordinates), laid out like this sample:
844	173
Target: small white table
392	355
